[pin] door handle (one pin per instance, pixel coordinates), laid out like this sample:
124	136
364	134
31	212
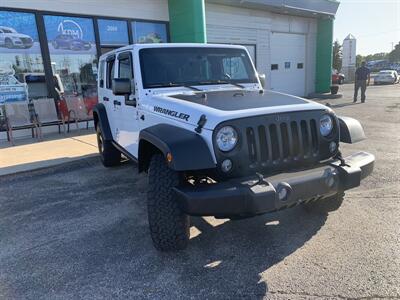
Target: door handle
106	99
116	102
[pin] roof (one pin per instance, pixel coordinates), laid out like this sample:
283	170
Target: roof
170	45
350	37
305	8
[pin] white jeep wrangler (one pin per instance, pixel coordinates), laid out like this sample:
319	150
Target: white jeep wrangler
214	143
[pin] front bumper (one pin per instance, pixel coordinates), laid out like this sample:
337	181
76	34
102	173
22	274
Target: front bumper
252	196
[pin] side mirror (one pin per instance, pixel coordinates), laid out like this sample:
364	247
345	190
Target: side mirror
261	77
121	86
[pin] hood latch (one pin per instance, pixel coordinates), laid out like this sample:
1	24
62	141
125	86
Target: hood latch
200	124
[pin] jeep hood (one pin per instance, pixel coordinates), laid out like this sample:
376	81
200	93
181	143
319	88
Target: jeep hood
220	106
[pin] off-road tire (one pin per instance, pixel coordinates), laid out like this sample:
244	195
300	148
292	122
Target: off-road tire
109	155
325	205
169	226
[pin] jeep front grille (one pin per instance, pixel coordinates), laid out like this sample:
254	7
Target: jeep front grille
280	142
283	142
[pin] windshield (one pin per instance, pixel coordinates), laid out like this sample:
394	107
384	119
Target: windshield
180	66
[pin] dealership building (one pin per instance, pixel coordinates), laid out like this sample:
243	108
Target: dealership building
52	46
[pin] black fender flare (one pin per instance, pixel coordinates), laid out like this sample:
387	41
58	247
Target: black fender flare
188	149
351	130
102	120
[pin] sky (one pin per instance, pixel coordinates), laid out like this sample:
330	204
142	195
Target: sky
374	23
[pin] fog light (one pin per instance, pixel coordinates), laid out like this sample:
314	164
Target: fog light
226	165
282	193
332	147
330	181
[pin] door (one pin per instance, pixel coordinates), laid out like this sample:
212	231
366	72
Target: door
288	56
106	94
127	118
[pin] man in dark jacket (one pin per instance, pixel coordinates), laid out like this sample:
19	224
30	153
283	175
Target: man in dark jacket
362	79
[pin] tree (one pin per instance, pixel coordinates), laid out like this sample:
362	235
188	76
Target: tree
359	59
394	56
337	56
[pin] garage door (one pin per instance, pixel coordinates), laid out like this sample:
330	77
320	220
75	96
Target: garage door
288	55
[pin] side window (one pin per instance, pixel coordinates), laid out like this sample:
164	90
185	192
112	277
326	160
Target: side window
125	67
234	68
110	73
101	73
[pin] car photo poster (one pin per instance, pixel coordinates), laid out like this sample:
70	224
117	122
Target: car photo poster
70	35
18	33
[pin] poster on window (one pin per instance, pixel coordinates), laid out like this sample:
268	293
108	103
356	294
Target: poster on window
10	88
113	32
145	32
70	35
18	33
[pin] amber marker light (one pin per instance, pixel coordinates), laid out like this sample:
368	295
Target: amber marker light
169	157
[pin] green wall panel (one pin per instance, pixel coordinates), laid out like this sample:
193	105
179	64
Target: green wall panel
187	21
324	55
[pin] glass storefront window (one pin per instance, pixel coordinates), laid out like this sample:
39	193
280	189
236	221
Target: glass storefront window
147	32
72	47
113	32
20	57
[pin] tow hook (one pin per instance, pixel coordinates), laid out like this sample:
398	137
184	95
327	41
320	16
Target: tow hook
341	159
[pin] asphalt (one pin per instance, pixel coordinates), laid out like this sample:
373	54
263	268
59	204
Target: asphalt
79	230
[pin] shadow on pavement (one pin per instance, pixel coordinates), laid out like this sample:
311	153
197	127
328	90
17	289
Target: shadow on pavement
85	235
342	104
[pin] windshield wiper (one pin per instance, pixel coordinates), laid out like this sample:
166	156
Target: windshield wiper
172	84
223	82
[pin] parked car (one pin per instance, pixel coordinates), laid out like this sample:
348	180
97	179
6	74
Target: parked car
11	39
37	86
386	76
66	41
337	78
214	142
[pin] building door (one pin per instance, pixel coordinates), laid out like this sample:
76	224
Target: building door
288	56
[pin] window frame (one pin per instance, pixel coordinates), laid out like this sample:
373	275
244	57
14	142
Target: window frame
102	68
110	60
125	56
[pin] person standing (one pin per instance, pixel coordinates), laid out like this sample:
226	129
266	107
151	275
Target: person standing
362	79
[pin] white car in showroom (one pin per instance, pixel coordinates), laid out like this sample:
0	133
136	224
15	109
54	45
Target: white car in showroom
386	76
12	39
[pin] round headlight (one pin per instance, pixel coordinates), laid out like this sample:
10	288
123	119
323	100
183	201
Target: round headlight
325	125
226	138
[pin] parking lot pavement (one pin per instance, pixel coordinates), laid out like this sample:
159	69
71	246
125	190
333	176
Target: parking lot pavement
80	231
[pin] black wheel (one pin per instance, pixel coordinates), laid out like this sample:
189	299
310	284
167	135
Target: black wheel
9	44
169	226
110	156
325	205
